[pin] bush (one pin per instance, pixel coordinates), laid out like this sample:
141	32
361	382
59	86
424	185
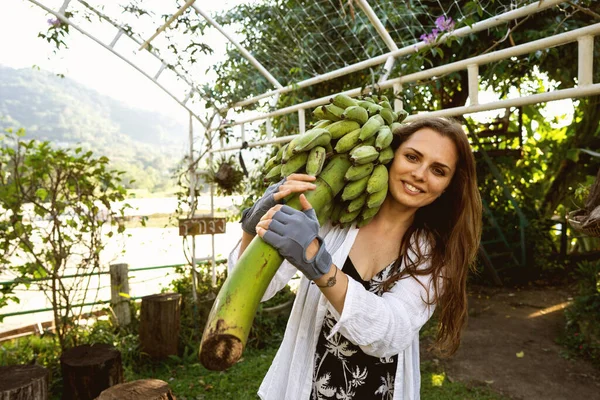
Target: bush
582	334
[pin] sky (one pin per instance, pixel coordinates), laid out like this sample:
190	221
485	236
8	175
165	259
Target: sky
89	63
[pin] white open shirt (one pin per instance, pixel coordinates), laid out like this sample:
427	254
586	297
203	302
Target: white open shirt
382	326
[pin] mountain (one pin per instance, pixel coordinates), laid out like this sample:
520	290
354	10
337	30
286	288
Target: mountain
145	144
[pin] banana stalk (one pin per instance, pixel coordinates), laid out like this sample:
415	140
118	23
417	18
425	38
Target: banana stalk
233	311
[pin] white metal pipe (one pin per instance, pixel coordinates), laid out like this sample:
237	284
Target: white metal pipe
117	37
160	70
192	194
464	31
585	66
63	8
85	33
301	121
169	21
387	69
376	22
269	128
241	49
589	90
134	39
398	105
473	75
518	50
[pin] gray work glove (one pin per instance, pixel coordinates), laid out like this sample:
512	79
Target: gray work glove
291	232
251	216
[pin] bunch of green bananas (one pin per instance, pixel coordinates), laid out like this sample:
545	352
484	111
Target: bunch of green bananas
358	129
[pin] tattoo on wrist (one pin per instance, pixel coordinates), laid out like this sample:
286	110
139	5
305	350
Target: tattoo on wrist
331	281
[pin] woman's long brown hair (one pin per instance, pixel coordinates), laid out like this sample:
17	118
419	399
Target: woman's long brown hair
452	226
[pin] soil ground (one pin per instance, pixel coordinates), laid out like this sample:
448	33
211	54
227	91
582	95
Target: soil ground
504	323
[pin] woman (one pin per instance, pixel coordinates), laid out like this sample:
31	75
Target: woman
353	332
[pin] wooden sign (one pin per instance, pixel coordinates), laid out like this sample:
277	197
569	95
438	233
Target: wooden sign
201	226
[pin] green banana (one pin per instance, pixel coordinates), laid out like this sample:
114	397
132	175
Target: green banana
356	113
384	138
373	109
402	114
292	165
333	112
280	152
336	212
328	148
347	217
368	213
363	155
370	128
343	100
357	203
369	99
376	199
395	126
388	115
310	139
274	174
347	142
383	97
319	113
385	156
270	163
316	160
322	123
340	128
362	222
354	189
386	104
289	149
357	172
365	104
378	179
369	142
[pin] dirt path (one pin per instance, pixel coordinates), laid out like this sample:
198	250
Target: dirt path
504	322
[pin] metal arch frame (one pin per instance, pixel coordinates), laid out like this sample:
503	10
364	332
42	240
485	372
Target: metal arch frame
60	15
586	86
533	8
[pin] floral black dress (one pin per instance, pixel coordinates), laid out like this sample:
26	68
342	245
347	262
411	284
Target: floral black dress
342	371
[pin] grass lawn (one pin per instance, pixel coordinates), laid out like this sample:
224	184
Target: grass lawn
193	382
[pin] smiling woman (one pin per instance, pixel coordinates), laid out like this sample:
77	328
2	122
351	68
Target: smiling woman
367	291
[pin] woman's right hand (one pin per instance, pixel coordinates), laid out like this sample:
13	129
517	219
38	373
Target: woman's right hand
295	183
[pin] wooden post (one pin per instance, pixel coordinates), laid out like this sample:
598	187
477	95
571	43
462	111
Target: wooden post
88	370
142	389
23	382
159	324
119	293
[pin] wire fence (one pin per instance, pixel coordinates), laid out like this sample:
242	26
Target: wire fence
100	273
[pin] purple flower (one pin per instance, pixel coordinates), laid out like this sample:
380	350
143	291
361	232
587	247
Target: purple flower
429	38
444	24
54	21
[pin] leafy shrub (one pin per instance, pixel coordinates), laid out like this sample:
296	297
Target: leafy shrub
582	334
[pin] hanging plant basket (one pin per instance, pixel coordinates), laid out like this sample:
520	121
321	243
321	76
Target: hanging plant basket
587	220
584	223
227	176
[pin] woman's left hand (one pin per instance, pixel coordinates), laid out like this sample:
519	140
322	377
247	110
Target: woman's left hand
295	235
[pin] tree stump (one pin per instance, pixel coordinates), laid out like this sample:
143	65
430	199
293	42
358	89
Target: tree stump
143	389
23	382
88	370
159	324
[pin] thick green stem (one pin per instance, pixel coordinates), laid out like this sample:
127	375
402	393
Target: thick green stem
233	311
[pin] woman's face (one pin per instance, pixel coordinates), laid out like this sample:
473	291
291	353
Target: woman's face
422	169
